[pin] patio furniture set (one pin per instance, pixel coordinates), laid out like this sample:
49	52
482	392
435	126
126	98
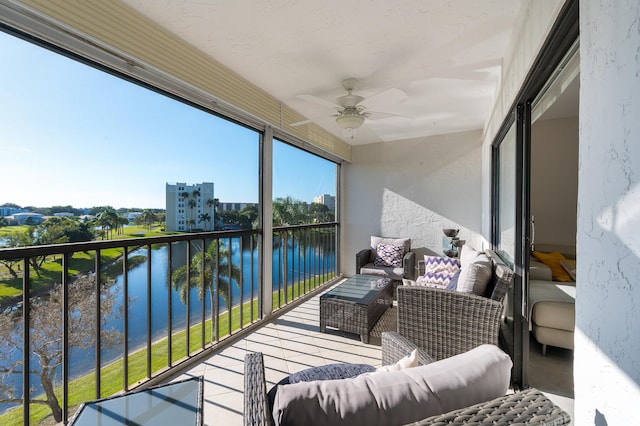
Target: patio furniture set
443	363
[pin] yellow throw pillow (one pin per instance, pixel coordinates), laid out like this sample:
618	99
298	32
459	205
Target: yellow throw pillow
552	260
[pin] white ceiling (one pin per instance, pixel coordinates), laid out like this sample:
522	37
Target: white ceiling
445	54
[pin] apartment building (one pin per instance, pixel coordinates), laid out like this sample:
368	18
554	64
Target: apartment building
327	200
230	206
190	207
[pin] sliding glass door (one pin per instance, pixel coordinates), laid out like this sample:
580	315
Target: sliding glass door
511	208
511	188
506	180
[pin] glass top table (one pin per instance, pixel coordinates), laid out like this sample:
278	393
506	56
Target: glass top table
361	289
176	403
356	304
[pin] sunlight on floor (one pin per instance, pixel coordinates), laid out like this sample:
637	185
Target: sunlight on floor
290	343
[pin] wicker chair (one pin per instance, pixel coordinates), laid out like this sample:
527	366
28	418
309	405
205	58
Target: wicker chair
365	257
525	407
444	323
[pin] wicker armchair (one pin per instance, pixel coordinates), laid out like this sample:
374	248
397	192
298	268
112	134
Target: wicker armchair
525	407
365	260
444	323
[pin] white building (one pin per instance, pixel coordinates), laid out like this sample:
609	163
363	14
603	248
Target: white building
132	216
234	206
327	200
26	218
190	207
8	211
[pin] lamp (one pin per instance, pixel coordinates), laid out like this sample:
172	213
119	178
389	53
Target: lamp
350	120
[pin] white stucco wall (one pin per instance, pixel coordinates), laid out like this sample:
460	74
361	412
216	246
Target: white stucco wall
415	188
607	345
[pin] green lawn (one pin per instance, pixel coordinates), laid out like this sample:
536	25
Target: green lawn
5	231
142	231
81	262
51	272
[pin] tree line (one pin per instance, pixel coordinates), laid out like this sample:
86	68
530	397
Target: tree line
287	211
64	229
93	211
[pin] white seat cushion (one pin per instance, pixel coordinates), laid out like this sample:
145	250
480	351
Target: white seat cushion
558	315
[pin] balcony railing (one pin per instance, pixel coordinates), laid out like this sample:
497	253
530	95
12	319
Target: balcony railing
106	316
311	255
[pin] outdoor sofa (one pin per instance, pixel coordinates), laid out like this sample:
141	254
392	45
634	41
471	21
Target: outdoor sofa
528	406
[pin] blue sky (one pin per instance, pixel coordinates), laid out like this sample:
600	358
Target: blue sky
73	135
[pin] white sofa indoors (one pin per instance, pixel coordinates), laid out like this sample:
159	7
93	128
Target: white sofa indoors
552	294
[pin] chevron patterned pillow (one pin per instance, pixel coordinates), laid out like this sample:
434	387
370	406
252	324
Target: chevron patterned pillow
438	264
439	280
438	271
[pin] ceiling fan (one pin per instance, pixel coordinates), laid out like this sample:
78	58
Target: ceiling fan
351	111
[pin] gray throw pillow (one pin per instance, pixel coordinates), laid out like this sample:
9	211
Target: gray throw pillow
470	255
474	278
397	397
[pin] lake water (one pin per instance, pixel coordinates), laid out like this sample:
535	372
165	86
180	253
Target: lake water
300	262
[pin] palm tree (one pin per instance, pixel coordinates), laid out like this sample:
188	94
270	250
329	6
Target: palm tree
286	211
108	220
122	221
148	217
190	223
204	217
195	193
216	265
191	220
101	220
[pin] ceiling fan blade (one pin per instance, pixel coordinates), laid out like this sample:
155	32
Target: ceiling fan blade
377	115
311	120
386	97
318	101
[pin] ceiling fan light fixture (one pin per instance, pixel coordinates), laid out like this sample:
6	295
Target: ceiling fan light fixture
350	121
